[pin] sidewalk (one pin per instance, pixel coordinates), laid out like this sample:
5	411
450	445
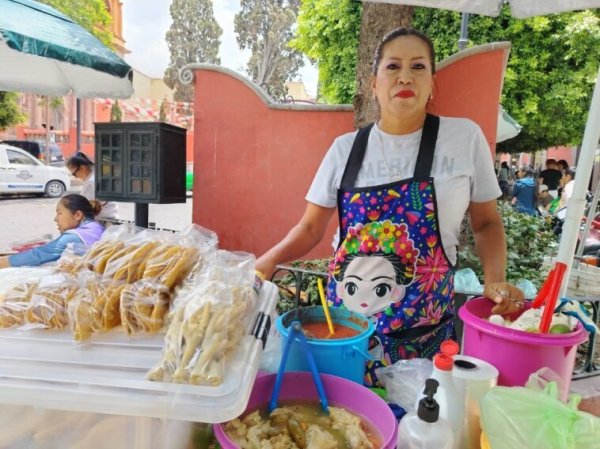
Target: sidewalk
589	389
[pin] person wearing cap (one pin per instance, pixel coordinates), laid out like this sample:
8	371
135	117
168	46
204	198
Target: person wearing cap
524	194
544	199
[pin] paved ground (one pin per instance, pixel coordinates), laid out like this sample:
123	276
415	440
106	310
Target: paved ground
28	218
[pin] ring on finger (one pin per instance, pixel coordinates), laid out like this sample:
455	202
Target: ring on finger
504	293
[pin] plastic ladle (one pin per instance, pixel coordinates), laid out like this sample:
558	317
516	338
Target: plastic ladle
325	307
295	333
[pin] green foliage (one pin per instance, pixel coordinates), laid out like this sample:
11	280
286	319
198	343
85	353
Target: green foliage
551	69
528	239
309	291
92	15
265	27
328	33
116	115
194	37
10	112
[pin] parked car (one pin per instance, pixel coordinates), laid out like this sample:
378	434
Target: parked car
22	173
37	148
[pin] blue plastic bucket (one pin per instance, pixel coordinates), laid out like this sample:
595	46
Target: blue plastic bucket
345	357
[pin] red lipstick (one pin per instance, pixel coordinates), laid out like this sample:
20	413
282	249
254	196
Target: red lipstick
405	94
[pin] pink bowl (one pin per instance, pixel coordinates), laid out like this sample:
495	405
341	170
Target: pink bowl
340	392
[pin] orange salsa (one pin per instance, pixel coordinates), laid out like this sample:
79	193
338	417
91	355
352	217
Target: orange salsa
320	331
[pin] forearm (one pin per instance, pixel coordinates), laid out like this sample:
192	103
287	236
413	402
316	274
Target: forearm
490	242
299	241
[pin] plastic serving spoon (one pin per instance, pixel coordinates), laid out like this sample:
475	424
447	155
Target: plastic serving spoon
325	306
295	333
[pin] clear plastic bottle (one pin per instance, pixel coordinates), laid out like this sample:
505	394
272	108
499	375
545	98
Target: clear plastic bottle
424	429
451	402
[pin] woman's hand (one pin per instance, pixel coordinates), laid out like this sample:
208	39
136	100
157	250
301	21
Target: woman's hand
508	298
4	262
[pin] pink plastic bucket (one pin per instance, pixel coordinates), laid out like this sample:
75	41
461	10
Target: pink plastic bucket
517	354
340	392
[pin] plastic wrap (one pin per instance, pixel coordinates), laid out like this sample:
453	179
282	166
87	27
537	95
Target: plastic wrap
23	427
208	323
405	380
48	305
14	304
144	306
95	308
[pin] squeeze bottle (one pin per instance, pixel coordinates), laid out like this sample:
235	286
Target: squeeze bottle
425	429
451	402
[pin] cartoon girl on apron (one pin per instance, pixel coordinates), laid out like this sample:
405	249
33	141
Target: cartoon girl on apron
390	264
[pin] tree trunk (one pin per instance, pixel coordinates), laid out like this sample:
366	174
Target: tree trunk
377	20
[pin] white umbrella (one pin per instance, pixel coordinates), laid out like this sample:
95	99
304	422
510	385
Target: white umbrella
519	8
42	51
591	136
507	126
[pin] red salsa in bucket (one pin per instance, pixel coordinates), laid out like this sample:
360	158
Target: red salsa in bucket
320	331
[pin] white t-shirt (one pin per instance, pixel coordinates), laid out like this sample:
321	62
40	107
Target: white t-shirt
462	169
109	209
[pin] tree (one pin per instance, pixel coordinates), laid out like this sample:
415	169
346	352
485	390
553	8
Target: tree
551	70
194	37
376	21
328	33
10	112
91	15
265	27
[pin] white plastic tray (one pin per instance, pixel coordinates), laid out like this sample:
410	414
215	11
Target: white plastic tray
47	369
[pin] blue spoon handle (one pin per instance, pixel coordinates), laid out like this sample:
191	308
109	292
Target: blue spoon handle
280	371
314	371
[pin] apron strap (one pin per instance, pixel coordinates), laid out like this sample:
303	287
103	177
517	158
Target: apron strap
357	154
424	158
427	147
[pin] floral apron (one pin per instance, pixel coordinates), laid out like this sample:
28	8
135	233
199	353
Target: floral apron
390	264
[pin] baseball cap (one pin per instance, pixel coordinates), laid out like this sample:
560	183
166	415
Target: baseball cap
543	188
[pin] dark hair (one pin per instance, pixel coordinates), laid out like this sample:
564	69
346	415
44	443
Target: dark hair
75	202
504	164
527	169
400	269
79	160
401	32
570	172
550	162
565	164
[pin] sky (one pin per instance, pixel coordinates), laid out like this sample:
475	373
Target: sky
145	23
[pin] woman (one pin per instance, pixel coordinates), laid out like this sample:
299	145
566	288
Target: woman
75	221
410	178
81	167
524	194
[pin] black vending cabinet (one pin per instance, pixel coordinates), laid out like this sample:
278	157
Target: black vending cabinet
140	162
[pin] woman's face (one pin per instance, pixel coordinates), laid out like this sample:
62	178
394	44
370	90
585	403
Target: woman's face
404	78
65	219
369	285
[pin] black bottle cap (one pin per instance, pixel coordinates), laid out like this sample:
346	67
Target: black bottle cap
429	410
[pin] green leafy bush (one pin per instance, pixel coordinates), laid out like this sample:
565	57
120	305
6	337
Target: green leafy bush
528	239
